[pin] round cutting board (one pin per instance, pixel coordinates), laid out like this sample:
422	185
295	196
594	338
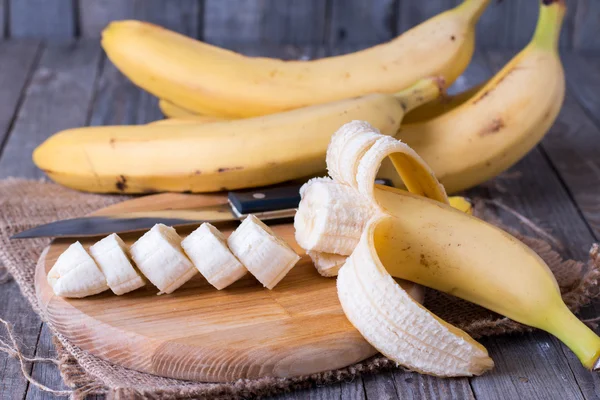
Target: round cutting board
203	334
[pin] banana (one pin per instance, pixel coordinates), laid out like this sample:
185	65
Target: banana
220	155
265	255
433	245
419	237
111	257
400	328
327	264
171	110
184	121
330	217
212	81
75	274
502	122
380	309
439	106
159	256
207	248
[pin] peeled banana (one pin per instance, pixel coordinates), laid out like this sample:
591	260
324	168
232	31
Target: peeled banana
207	249
503	121
268	257
162	256
159	256
220	155
75	274
213	81
419	237
111	256
327	264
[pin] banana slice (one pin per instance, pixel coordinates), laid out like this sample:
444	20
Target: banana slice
396	325
207	248
111	257
264	254
330	217
159	257
327	264
347	146
75	274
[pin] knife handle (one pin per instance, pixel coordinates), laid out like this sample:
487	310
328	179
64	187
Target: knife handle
272	198
258	200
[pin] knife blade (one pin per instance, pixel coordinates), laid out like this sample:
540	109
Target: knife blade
269	203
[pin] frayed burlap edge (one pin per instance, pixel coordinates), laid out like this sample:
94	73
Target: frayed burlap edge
90	375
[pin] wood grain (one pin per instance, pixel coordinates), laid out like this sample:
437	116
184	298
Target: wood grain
362	23
53	19
183	16
17	59
586	26
27	325
58	97
3	19
412	13
298	22
203	334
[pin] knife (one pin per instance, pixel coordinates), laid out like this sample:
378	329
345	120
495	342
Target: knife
269	203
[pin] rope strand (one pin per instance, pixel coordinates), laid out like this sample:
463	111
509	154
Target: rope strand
11	347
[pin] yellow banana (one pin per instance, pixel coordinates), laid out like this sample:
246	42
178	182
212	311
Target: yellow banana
216	156
212	81
198	119
441	105
439	247
171	110
501	123
418	236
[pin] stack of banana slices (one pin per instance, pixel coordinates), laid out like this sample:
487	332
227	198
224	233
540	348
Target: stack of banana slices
168	262
369	234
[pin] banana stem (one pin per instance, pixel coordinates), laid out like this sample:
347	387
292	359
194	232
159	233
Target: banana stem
575	334
424	91
547	31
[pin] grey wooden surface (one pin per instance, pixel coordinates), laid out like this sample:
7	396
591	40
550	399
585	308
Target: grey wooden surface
51	86
505	24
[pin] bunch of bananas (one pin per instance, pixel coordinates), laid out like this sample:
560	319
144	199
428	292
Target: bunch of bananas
240	122
243	122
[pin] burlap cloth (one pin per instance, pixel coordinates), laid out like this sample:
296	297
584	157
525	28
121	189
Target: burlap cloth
24	204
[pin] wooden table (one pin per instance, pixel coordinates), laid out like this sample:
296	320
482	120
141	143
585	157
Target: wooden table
46	87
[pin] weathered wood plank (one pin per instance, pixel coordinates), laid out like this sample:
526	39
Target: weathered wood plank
586	29
183	16
298	22
412	13
493	29
42	19
411	385
381	386
17	59
363	23
517	375
3	15
354	390
58	98
45	373
119	102
16	310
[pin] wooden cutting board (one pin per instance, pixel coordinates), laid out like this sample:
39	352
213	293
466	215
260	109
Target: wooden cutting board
203	334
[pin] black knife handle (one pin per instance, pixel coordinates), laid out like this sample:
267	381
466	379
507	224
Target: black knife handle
273	198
